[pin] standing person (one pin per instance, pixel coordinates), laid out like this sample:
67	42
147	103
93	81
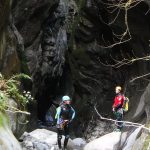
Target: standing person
64	115
118	107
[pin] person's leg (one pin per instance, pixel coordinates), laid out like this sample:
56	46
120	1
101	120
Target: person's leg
121	123
119	118
66	130
59	137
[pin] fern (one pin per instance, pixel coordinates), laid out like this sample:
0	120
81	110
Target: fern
10	89
18	76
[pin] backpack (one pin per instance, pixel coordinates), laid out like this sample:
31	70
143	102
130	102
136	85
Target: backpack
126	104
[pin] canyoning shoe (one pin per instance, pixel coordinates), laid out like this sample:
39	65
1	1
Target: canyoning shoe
116	130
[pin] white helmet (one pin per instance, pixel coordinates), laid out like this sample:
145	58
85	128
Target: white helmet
118	88
66	98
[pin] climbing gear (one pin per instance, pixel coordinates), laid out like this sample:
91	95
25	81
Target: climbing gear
63	124
66	98
126	104
66	112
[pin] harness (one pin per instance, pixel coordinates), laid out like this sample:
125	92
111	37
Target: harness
66	112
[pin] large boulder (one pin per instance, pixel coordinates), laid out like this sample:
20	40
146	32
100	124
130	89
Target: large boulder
17	121
109	141
7	139
79	143
42	139
126	140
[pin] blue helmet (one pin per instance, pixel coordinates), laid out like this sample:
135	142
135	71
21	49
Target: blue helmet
66	98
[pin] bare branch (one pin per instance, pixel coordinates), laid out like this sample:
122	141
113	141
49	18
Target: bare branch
125	61
126	123
139	77
113	6
15	110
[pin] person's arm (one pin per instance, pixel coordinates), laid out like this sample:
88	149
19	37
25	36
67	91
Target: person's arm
123	101
113	106
57	116
73	113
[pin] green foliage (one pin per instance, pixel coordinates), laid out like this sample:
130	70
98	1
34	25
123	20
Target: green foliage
4	121
146	143
19	76
3	100
147	140
9	88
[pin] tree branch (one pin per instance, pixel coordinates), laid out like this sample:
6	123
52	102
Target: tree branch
126	123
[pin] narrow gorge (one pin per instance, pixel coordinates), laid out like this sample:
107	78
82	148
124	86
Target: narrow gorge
84	49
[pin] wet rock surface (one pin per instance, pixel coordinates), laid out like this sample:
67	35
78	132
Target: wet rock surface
42	139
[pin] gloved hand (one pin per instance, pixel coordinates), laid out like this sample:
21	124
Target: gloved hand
70	121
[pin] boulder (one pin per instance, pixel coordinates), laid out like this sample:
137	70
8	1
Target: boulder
7	139
131	139
42	139
107	142
79	143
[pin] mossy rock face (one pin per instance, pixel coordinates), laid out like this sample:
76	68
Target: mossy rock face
9	61
4	15
7	139
146	139
4	121
146	143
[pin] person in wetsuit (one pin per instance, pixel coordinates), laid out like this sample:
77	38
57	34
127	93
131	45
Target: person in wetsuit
64	116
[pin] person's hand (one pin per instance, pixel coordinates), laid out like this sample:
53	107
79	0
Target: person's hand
65	121
70	121
113	109
58	126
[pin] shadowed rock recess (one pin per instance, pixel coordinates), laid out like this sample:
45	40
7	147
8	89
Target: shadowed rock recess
68	47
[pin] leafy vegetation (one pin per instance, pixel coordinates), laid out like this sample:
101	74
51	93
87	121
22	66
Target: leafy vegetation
10	88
